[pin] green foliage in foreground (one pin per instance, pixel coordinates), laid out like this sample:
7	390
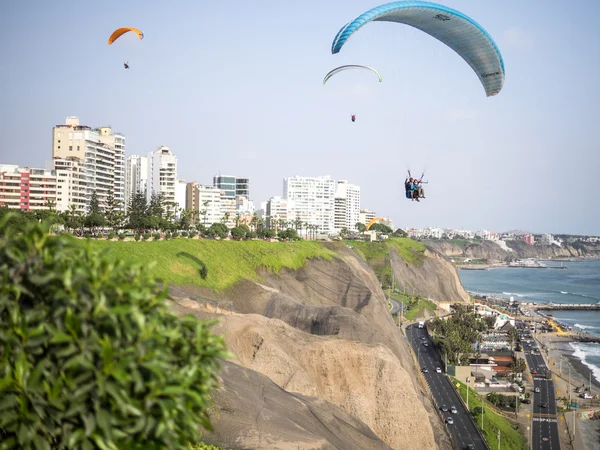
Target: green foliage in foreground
90	356
181	261
510	438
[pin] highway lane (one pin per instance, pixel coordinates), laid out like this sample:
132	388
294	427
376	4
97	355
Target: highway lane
395	306
545	421
463	430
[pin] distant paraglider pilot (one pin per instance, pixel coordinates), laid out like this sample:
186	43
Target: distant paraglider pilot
353	117
126	64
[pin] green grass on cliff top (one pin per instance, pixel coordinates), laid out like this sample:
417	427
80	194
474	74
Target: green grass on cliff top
179	261
375	253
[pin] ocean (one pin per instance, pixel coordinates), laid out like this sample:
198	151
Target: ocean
579	283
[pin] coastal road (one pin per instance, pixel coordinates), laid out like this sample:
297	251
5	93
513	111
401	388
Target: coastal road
395	306
463	430
544	434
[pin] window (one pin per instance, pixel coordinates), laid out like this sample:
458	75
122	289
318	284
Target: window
78	148
70	148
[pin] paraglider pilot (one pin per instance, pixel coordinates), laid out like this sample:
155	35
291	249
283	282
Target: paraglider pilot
353	117
126	64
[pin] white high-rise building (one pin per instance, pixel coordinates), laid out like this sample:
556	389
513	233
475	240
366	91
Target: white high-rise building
206	200
162	174
347	206
180	194
314	201
71	183
101	152
136	179
279	208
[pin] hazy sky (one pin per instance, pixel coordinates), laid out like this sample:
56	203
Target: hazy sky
236	87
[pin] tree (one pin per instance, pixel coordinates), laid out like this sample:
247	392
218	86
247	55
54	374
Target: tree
400	233
91	355
489	321
361	227
138	212
114	215
238	233
94	218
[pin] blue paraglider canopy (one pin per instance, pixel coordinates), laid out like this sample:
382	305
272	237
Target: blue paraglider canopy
458	31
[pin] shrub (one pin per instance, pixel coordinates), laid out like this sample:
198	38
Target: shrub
168	235
111	235
184	234
147	236
175	234
193	234
204	272
121	236
90	355
137	237
156	236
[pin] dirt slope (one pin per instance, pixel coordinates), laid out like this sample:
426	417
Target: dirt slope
325	331
436	278
256	413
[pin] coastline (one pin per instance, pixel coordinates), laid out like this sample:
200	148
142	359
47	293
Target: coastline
560	347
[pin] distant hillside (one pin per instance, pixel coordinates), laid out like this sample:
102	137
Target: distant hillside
506	251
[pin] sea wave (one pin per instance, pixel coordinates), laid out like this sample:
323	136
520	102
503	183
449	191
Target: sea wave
585	327
563	292
583	351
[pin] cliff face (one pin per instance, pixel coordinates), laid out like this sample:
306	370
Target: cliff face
325	331
496	252
435	278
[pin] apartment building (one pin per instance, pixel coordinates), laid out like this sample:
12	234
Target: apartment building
347	206
206	200
365	216
162	174
136	176
26	188
314	201
102	153
71	184
279	208
232	185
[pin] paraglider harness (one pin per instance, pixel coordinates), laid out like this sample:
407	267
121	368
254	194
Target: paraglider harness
126	65
409	188
353	117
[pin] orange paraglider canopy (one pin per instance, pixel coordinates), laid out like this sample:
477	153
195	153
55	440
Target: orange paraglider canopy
120	31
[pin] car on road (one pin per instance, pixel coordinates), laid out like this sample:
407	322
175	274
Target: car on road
470	446
450	420
424	370
544	405
453	410
444	408
537	389
425	344
438	370
533	372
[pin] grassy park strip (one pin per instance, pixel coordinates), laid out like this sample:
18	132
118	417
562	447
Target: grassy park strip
510	439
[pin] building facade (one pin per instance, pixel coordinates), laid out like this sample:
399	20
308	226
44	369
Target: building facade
279	208
365	216
314	201
232	185
206	201
26	188
347	206
162	174
71	184
102	153
136	177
